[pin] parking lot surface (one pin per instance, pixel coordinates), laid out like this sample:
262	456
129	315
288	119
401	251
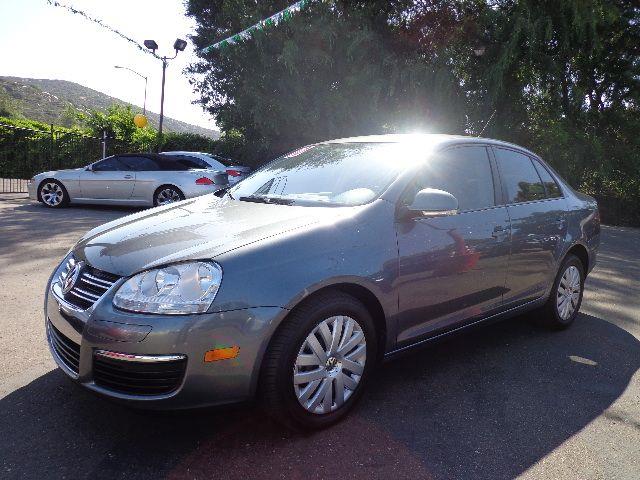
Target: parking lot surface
508	400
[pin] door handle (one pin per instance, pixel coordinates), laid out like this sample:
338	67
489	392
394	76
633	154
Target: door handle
128	176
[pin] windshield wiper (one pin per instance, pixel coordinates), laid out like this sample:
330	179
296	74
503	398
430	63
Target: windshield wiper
268	200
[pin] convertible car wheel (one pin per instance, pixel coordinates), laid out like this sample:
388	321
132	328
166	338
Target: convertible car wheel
53	194
319	361
166	195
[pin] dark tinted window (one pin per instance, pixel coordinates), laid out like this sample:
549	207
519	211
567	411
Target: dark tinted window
465	173
110	164
553	190
191	162
519	176
182	162
140	164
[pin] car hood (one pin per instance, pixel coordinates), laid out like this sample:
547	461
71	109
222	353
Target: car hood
201	228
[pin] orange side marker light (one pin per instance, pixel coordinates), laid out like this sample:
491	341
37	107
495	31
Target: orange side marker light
221	354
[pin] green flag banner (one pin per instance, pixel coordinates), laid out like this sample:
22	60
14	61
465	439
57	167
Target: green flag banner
246	33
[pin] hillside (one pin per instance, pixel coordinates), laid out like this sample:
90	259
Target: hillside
50	101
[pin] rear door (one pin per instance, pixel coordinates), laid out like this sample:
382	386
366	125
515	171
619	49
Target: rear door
108	179
452	269
537	211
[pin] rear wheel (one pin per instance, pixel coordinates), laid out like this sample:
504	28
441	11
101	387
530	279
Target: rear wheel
565	298
53	194
167	194
319	362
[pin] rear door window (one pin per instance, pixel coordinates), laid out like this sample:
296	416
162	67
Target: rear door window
519	177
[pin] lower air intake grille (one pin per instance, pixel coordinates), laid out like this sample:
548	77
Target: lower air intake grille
137	377
67	350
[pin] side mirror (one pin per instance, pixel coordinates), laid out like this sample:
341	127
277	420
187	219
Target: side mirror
89	168
431	202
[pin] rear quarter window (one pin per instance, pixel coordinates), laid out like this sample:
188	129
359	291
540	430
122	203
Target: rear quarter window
519	177
182	162
550	185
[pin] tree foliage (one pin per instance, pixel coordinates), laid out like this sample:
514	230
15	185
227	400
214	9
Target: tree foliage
117	123
562	78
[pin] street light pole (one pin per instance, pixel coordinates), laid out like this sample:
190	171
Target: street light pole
144	105
164	71
179	45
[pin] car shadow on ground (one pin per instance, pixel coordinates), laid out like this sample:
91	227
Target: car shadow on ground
486	404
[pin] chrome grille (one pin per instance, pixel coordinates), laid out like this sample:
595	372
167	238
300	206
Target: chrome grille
67	350
90	285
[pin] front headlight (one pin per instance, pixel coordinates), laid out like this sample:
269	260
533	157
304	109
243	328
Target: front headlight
176	289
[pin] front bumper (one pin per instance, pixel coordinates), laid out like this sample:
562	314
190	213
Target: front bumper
102	328
31	189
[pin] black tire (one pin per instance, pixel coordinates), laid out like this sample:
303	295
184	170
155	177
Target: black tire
276	388
46	190
167	190
549	315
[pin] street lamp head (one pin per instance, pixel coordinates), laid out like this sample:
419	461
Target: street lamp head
151	44
117	66
179	45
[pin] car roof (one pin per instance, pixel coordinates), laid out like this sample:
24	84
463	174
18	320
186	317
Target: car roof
142	154
432	140
184	152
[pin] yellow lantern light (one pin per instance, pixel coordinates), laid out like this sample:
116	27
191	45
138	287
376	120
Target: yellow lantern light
140	120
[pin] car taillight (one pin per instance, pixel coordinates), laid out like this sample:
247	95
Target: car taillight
204	181
233	173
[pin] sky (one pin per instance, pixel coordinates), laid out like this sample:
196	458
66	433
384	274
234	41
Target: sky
42	41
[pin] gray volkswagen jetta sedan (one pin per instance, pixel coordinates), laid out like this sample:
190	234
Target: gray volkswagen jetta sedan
294	284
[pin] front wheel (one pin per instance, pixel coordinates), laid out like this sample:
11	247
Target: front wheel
319	362
565	298
53	194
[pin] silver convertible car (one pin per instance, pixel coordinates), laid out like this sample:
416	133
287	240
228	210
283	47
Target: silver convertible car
294	284
137	179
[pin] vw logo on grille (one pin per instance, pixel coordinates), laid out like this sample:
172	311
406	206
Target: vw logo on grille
72	277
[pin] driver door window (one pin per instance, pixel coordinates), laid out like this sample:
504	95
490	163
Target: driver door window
465	173
111	164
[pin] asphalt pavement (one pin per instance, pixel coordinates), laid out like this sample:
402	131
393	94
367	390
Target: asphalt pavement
507	400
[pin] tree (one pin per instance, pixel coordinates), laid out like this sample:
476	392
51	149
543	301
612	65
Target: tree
562	78
332	70
117	122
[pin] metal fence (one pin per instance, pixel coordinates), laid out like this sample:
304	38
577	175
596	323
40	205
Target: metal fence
25	152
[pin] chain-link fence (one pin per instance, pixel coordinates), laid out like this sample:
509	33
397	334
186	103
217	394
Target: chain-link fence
25	152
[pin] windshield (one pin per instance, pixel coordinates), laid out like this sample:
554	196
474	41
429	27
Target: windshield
334	174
